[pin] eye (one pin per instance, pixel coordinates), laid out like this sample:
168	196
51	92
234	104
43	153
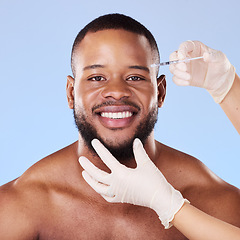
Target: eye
135	78
96	78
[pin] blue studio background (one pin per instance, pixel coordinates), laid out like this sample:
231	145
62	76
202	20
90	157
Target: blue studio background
35	47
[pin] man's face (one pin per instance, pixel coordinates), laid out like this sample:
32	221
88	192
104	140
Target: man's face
115	89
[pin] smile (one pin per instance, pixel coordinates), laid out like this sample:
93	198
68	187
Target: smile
117	115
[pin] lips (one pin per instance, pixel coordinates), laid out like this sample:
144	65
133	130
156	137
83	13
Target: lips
116	116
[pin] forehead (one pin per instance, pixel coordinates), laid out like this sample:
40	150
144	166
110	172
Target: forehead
113	45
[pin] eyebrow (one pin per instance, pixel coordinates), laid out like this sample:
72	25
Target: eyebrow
139	67
93	66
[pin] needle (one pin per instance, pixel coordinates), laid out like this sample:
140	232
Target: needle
175	61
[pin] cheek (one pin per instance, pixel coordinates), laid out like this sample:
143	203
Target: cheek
85	95
148	96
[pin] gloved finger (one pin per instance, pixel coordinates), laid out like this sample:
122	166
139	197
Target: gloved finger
105	155
139	152
172	68
185	49
95	185
180	82
181	66
114	198
95	172
173	56
182	75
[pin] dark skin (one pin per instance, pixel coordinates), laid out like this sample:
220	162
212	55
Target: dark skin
52	201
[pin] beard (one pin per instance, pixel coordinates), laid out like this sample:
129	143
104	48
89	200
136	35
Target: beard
124	151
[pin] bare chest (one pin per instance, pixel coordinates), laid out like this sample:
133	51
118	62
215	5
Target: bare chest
106	222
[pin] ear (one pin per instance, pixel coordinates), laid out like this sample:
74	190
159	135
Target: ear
161	83
70	91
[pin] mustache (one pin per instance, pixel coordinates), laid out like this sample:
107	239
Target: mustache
111	103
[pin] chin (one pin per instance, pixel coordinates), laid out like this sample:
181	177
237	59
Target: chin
121	150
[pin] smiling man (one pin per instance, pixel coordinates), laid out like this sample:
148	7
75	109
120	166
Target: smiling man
114	89
115	95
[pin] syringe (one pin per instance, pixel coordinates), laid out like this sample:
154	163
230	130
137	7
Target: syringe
175	61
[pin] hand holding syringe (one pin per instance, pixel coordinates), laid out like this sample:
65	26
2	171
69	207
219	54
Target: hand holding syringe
176	61
214	72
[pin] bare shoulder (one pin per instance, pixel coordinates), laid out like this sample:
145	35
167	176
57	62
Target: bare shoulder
16	220
25	200
200	185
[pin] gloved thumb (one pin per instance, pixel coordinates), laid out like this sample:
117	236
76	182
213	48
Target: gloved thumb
213	56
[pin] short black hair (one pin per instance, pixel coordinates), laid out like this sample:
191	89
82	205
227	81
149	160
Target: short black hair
116	21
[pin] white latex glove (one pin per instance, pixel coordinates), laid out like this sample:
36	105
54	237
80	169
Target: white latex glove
144	186
214	72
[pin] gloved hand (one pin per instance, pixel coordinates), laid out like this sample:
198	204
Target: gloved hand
144	186
214	72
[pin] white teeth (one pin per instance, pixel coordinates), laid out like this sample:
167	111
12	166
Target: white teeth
117	115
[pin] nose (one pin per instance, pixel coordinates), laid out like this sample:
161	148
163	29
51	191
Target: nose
117	89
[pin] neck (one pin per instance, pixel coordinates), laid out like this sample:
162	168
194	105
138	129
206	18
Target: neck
83	150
